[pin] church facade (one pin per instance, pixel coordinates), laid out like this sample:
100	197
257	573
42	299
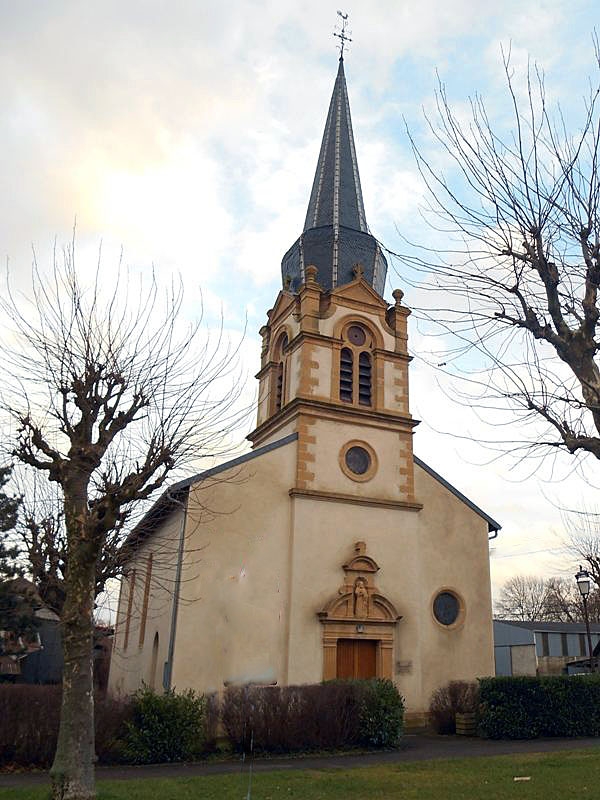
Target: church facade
330	550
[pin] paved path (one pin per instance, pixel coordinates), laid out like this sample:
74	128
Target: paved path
414	748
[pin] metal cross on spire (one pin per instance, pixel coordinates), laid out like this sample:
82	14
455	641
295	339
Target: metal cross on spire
342	34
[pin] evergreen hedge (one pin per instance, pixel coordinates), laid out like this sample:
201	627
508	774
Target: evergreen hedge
165	727
527	707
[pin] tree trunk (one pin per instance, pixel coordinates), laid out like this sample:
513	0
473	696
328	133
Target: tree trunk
72	772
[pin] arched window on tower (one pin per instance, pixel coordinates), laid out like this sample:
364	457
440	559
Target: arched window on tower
280	373
356	366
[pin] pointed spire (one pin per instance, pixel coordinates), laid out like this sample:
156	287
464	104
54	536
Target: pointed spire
336	197
336	237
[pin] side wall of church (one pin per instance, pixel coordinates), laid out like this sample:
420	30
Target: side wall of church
141	642
454	555
233	614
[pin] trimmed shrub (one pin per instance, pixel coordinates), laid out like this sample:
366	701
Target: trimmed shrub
212	719
111	714
457	697
153	728
381	714
165	727
283	719
525	708
29	717
324	716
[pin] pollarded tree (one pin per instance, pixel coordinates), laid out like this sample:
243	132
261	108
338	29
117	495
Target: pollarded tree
516	276
108	396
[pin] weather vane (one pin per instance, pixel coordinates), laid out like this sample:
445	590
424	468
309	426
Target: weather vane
342	34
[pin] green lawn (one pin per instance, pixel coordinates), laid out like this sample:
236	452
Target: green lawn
553	777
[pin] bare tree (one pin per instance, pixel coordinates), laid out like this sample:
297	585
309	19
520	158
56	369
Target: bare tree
37	541
109	394
523	598
529	598
518	269
583	539
564	603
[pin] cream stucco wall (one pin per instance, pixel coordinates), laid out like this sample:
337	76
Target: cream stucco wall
132	665
232	623
260	564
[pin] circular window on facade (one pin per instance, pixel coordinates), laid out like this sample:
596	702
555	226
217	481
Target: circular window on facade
356	335
446	608
358	461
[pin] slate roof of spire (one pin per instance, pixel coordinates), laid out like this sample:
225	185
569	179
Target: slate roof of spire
336	196
336	236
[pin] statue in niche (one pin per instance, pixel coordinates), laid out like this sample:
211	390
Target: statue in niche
361	598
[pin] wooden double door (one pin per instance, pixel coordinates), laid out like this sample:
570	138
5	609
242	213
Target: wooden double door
356	658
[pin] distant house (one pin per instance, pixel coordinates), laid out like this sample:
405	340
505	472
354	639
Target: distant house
540	648
36	658
44	664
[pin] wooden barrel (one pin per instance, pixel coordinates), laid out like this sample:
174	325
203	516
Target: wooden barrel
466	724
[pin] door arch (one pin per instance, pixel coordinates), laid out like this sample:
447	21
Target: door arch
358	624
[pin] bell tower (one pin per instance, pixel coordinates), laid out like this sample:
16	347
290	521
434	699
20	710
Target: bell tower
334	366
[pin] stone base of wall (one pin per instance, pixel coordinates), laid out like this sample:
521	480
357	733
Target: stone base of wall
416	722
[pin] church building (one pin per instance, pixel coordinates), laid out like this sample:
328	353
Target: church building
329	550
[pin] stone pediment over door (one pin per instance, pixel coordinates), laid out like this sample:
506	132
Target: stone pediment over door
359	611
358	598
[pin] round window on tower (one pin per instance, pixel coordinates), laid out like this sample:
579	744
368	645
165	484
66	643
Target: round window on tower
448	609
358	461
357	335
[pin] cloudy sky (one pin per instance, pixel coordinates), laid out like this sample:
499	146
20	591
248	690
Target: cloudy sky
187	134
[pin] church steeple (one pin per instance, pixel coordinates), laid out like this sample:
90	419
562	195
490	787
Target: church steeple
336	197
336	236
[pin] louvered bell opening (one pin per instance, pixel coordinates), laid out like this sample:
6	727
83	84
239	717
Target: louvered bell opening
279	387
346	363
364	379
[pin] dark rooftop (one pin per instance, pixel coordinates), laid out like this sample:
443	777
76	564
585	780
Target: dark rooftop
552	627
336	236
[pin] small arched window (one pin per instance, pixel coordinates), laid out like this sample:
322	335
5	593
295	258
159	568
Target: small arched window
356	366
280	375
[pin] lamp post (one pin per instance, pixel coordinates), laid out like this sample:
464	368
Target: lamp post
584	585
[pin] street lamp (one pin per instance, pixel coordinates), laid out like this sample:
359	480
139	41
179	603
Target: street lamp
584	585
